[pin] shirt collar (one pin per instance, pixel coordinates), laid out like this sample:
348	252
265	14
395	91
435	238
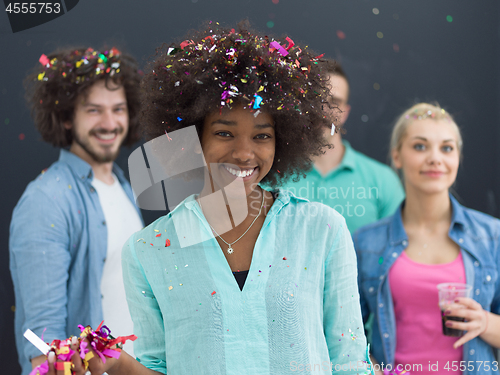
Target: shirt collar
347	162
397	231
349	159
458	213
83	169
282	198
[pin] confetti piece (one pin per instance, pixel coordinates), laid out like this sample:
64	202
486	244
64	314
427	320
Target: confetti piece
380	34
276	1
258	100
167	243
375	11
395	47
156	230
36	341
21	137
329	226
340	34
211	294
158	235
278	47
333	129
52	225
170	287
380	260
69	186
449	18
270	24
7	121
44	60
284	258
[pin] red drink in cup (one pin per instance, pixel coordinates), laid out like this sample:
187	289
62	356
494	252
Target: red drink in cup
448	293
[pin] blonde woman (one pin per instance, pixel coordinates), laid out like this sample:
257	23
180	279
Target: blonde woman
431	239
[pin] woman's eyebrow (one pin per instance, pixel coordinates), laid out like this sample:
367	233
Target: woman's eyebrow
223	122
263	126
233	123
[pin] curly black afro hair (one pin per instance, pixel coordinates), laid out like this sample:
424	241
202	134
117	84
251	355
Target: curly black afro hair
54	85
217	68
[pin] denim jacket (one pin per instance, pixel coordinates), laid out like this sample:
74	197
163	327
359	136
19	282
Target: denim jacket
58	244
378	245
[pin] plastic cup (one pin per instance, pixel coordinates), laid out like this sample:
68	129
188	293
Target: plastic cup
448	293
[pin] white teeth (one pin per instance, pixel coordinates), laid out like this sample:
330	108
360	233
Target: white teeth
106	137
246	173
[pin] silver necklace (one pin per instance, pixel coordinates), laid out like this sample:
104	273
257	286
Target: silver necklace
230	249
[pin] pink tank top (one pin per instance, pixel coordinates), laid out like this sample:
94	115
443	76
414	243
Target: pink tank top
419	337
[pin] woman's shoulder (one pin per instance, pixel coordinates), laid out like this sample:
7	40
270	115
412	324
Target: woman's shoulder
478	223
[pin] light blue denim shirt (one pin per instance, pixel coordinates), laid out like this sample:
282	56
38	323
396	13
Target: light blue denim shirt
298	311
58	245
378	246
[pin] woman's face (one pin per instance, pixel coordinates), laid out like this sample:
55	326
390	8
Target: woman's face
240	145
428	156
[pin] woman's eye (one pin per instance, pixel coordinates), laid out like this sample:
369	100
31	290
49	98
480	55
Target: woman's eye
447	148
419	147
223	134
263	136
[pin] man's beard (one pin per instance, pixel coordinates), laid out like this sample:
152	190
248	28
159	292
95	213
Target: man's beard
105	157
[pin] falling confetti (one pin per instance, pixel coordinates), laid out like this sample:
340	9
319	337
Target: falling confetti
380	34
340	34
212	293
395	47
21	137
270	24
170	287
7	121
375	11
167	243
449	18
376	86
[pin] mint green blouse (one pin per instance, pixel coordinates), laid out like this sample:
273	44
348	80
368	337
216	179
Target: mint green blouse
298	311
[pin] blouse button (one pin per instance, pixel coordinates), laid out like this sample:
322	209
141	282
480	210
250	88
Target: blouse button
394	254
476	263
472	351
381	277
488	278
405	243
386	335
380	305
371	289
477	292
461	240
92	189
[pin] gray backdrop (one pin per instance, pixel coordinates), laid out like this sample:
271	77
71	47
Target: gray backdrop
417	55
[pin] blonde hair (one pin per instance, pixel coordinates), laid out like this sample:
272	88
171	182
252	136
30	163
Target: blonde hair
421	111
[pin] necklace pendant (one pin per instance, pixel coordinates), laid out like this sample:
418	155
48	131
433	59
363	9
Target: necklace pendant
230	250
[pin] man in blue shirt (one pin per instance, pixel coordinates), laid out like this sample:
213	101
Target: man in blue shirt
68	228
360	188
